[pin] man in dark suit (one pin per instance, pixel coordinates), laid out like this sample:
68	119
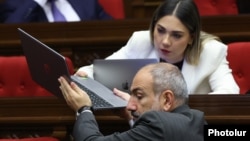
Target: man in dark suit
157	104
25	11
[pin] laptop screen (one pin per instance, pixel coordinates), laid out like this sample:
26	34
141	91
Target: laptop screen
118	73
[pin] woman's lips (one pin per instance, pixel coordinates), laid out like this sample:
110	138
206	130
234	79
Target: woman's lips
165	51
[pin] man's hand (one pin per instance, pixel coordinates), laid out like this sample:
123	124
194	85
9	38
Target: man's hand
74	96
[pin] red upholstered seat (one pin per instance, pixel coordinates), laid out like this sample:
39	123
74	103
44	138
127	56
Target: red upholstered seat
217	7
15	78
114	7
238	57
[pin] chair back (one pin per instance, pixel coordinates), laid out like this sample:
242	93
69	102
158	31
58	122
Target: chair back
238	57
114	7
217	7
16	80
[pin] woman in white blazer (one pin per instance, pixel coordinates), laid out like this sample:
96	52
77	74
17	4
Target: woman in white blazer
175	37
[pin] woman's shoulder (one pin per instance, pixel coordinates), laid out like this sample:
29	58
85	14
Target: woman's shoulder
214	46
142	34
213	52
141	37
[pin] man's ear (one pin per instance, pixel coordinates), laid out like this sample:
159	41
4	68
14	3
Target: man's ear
167	100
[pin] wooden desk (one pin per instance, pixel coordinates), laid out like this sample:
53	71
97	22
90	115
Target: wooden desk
81	41
51	116
85	41
223	109
47	116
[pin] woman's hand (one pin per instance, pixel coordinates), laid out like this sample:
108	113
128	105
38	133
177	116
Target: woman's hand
121	94
81	73
124	113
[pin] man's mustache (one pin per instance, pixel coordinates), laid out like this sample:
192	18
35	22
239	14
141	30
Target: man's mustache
135	114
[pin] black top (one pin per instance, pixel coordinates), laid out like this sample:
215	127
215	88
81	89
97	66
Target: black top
178	64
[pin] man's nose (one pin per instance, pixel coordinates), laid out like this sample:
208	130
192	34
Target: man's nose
131	106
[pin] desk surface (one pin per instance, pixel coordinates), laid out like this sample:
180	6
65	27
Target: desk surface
52	116
73	33
218	109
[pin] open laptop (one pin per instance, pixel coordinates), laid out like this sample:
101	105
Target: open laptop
46	66
118	73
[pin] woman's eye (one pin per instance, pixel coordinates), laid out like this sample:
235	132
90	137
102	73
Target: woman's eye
177	36
160	30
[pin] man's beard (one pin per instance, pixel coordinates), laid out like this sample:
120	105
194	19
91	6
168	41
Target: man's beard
135	114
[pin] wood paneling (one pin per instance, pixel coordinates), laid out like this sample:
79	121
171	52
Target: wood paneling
52	116
140	9
85	41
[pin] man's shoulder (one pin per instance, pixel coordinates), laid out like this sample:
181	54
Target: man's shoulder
179	113
158	115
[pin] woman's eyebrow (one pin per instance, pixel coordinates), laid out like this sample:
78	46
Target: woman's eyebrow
174	31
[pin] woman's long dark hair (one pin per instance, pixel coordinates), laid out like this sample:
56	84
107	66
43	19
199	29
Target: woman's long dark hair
187	12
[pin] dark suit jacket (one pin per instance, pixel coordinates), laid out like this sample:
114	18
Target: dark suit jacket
18	11
182	124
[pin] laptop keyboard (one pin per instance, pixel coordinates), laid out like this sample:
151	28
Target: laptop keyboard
96	100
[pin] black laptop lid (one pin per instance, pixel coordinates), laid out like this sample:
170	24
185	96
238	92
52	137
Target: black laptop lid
45	64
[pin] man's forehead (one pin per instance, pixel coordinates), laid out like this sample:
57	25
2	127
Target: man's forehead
142	80
142	75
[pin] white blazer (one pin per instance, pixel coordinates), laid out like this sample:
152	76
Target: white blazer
211	76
